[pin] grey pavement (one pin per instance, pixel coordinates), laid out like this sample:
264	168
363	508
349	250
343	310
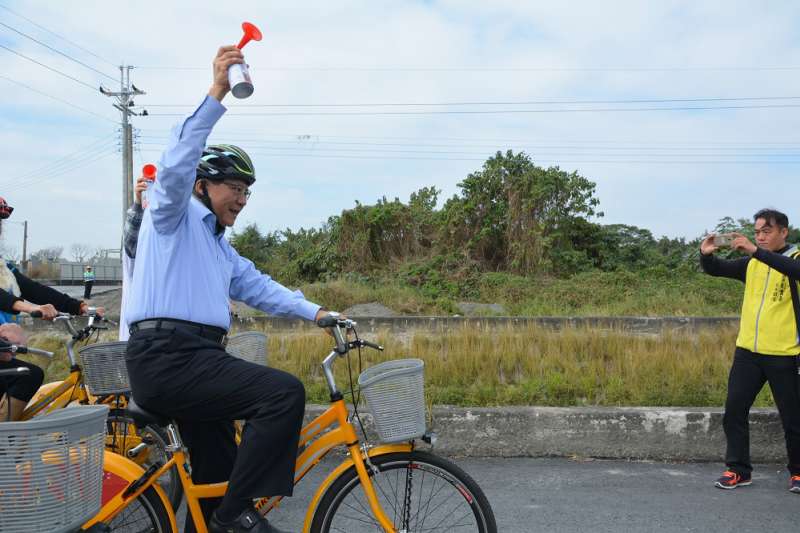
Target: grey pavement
531	495
76	291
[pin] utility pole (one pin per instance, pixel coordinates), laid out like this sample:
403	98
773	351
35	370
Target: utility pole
124	103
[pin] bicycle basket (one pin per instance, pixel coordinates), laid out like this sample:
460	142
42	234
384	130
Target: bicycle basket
51	470
395	394
249	345
104	370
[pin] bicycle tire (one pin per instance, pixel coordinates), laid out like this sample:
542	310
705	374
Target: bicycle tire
123	435
442	498
145	514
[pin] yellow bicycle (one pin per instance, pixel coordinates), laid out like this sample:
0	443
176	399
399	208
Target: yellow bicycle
389	487
104	380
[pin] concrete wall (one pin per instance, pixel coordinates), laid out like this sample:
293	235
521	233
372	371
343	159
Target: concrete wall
435	323
675	434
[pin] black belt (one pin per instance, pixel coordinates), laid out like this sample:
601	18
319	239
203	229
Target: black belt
212	333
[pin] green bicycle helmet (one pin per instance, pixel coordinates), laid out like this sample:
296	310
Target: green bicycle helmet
226	161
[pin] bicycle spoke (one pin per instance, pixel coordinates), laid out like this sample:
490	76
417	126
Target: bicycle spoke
438	502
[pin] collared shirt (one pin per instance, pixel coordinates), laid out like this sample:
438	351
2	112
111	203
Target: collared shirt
185	270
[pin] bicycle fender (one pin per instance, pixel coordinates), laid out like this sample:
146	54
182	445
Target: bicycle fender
339	470
118	473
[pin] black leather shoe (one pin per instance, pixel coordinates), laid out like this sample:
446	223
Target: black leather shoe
247	522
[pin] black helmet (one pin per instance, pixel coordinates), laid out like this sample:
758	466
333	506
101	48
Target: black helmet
226	161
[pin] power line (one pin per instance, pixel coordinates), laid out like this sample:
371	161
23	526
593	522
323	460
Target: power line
73	43
530	102
58	52
505	145
56	98
493	69
55	170
312	137
81	165
496	112
93	88
67	159
534	152
551	161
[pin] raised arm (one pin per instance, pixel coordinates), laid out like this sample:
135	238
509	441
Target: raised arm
170	194
735	269
130	231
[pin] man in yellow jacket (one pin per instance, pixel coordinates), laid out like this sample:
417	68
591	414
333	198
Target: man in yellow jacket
768	345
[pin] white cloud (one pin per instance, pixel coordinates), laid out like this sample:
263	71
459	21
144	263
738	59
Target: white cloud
672	199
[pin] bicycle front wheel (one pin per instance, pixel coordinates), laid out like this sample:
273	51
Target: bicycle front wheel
418	491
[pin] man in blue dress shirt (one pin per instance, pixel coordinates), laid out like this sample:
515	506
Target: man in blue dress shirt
178	313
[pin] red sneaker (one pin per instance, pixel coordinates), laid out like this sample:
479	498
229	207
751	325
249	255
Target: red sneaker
794	484
731	480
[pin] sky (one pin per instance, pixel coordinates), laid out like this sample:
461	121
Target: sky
682	112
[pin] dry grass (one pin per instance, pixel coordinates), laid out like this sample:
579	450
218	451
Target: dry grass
535	366
525	366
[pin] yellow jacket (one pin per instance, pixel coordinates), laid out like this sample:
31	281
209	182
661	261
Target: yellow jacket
768	323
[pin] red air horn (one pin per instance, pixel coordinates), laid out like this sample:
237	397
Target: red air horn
238	74
149	172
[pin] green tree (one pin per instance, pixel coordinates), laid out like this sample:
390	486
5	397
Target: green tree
511	215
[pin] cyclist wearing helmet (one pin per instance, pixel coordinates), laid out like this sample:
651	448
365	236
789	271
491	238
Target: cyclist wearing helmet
18	293
178	312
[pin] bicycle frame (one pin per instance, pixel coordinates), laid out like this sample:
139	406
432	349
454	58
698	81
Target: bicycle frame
54	396
118	473
344	434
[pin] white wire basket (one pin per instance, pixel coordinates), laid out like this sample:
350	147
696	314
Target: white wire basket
51	470
104	370
249	345
395	394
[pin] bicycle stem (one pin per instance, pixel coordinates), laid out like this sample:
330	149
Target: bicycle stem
327	367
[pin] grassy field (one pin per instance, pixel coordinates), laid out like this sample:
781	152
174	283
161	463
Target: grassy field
525	366
653	292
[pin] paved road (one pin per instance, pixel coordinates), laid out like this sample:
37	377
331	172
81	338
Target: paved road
76	291
562	495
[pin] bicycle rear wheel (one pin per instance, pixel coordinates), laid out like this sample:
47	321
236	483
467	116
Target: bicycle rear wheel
146	514
418	491
122	435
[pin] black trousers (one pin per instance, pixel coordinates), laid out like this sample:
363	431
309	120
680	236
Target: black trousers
748	374
194	381
87	289
21	387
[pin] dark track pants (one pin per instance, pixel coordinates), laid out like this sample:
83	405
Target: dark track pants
87	289
196	382
21	387
748	374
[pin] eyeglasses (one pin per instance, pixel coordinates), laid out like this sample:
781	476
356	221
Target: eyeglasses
239	190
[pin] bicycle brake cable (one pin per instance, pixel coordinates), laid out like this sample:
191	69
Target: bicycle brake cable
356	396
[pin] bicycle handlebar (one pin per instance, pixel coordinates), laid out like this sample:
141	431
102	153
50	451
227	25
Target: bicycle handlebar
6	347
20	370
339	326
77	334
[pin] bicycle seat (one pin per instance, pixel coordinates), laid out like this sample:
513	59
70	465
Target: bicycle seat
142	417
